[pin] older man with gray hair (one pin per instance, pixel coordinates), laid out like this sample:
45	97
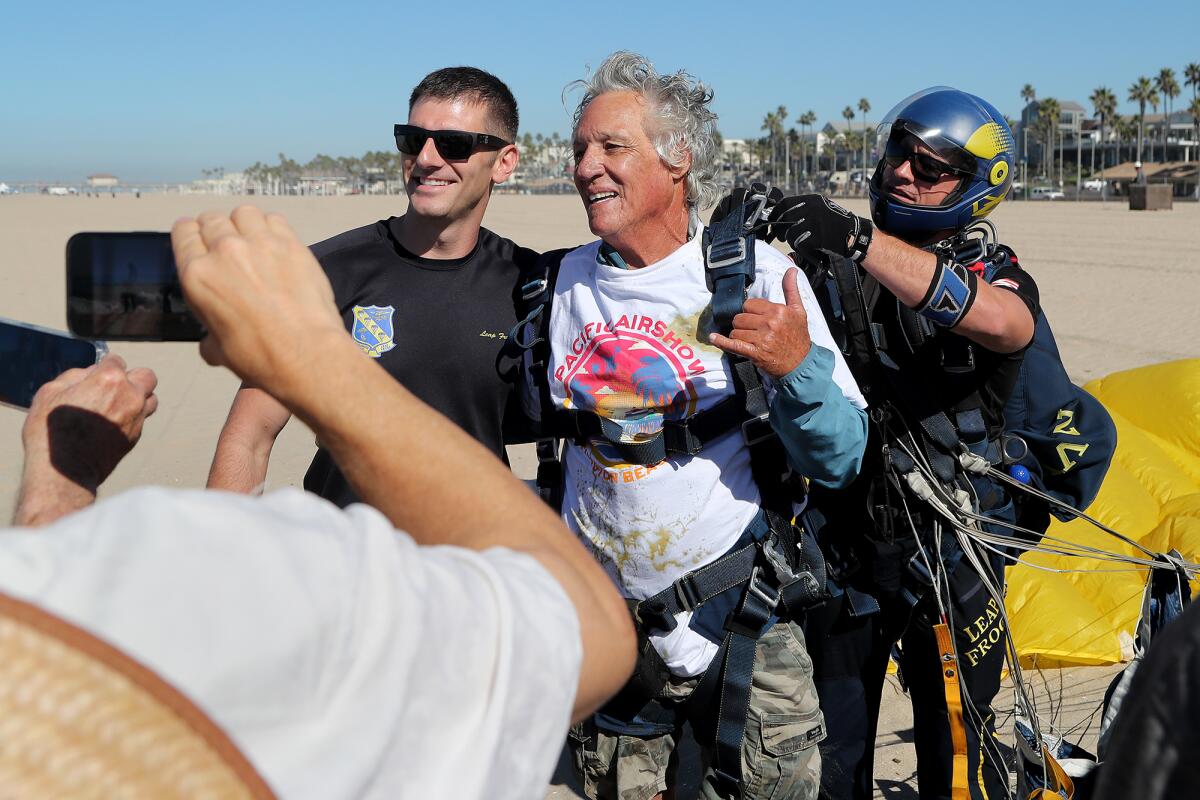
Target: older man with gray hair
634	367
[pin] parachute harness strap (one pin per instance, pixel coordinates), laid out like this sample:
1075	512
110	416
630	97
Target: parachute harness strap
728	266
954	706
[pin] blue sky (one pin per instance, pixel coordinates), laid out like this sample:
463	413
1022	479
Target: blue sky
159	91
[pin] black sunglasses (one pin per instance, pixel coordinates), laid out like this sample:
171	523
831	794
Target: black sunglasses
925	167
452	145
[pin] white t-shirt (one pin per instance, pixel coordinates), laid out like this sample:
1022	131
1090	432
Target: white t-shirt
342	658
631	346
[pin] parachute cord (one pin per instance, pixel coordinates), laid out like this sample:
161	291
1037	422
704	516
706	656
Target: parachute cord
1021	693
947	611
1068	509
959	518
937	594
950	510
1000	544
1075	550
942	505
988	581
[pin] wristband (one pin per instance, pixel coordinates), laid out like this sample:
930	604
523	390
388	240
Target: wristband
861	241
950	294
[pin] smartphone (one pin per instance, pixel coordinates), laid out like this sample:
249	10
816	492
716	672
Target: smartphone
31	356
124	286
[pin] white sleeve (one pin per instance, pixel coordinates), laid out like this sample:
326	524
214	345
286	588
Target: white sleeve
502	671
342	658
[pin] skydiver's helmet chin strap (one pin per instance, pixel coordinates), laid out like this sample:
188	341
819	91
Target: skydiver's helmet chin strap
964	131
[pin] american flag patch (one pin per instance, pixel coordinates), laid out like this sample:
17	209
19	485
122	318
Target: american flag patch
1007	283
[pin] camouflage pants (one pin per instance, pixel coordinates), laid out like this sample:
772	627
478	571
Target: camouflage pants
779	754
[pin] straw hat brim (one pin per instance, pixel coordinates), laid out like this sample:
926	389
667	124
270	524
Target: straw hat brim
79	718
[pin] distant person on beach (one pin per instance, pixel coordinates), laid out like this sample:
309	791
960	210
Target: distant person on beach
439	646
688	528
429	294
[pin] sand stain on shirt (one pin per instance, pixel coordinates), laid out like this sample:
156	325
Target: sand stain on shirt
647	541
697	327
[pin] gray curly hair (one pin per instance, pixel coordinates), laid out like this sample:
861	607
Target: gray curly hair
679	103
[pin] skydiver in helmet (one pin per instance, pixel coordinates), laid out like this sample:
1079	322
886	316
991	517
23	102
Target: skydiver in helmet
934	317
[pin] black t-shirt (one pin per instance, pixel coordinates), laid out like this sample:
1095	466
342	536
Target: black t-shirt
940	371
946	369
435	326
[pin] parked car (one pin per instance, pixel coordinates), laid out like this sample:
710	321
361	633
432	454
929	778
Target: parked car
1094	184
1045	193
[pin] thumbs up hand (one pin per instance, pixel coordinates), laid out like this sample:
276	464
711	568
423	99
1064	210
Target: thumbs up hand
772	335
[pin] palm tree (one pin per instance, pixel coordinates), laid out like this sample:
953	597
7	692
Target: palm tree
1191	77
1169	88
1104	102
794	146
1142	92
864	105
1048	113
780	137
831	152
1127	130
848	113
1194	110
808	118
1028	95
769	124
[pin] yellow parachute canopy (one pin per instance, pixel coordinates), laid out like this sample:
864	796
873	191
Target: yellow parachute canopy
1151	495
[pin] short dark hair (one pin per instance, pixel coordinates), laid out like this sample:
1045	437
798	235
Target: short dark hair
452	83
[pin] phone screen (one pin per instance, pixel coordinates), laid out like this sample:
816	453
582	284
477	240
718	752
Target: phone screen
31	356
124	286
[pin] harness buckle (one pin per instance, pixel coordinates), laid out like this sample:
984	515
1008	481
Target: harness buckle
547	451
724	254
678	438
778	561
757	429
533	288
760	589
686	594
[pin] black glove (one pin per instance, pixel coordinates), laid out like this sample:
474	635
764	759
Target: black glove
812	222
740	196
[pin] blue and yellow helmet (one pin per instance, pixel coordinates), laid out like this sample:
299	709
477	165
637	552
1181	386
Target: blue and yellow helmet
967	133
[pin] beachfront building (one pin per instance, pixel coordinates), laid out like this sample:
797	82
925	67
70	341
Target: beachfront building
102	180
221	183
1183	177
328	181
1078	148
1032	137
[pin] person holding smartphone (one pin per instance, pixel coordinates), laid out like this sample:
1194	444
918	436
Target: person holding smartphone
436	644
429	294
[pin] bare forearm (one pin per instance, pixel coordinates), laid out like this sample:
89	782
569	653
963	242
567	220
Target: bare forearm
246	441
997	319
238	466
442	487
45	495
905	270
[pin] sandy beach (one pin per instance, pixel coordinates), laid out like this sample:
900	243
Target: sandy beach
1119	288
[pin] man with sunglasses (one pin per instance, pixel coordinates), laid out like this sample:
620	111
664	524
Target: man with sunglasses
396	280
935	322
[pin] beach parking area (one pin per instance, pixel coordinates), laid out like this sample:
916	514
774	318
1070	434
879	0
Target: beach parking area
1120	289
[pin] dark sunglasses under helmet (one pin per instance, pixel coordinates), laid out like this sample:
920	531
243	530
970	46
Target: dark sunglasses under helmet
926	167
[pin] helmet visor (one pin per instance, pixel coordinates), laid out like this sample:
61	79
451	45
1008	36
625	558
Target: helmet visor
931	160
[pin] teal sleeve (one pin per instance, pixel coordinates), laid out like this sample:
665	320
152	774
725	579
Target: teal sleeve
825	435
